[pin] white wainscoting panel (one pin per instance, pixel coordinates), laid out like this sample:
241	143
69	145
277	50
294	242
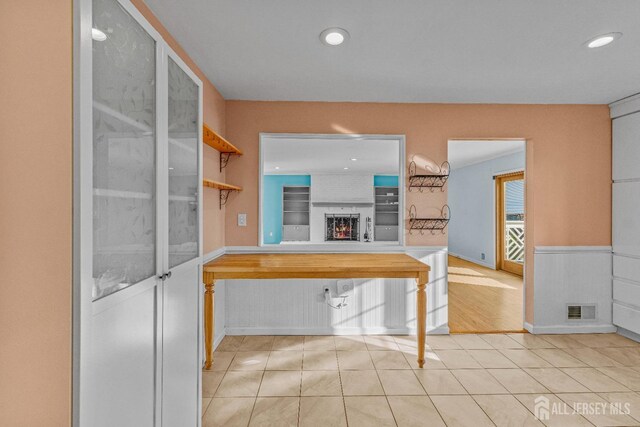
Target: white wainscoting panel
219	313
572	275
297	307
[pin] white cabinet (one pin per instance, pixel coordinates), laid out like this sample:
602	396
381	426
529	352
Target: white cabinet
626	214
138	225
180	359
122	362
626	218
626	147
385	233
295	233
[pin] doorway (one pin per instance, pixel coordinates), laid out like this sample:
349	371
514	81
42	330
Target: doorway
486	236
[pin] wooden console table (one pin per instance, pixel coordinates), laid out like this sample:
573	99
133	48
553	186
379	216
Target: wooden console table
315	266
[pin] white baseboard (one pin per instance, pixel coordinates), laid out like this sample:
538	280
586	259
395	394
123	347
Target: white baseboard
440	330
218	339
475	261
628	334
569	329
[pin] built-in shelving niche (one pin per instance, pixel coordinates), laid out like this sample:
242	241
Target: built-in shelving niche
386	213
296	213
431	181
430	224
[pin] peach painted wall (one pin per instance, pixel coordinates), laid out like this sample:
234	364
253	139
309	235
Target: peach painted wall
36	165
568	197
214	116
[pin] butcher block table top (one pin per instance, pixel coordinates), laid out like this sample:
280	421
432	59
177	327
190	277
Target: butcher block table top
313	266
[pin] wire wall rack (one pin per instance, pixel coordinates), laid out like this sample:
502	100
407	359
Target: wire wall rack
429	224
430	181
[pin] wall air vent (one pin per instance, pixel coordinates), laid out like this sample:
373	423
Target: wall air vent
581	312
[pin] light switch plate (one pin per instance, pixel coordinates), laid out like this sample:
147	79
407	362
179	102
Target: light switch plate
242	220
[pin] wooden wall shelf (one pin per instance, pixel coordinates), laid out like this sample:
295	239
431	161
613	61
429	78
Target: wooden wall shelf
226	149
225	189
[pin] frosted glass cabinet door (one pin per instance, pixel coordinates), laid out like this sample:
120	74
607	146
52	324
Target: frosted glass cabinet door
183	166
124	150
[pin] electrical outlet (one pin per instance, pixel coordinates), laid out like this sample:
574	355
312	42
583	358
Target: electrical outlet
242	220
482	256
344	287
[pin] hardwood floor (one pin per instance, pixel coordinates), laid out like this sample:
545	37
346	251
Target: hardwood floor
482	300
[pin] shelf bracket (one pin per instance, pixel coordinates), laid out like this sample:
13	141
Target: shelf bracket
224	159
224	195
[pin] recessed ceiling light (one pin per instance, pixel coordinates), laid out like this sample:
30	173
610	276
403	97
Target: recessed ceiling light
602	40
345	168
170	169
334	36
354	159
98	35
277	167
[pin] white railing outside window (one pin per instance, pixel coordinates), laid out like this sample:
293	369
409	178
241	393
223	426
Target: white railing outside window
514	241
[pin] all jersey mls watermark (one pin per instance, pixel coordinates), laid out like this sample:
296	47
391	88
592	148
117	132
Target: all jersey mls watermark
544	409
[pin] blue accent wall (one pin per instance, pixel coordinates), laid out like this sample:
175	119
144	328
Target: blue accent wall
272	204
385	181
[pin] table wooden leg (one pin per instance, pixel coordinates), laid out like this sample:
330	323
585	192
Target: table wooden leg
421	317
208	324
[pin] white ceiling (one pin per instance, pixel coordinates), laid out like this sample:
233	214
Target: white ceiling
304	156
489	51
466	153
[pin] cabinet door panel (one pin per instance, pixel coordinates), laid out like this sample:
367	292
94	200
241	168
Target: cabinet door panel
626	268
183	127
386	233
626	147
295	232
626	218
122	363
180	367
626	317
627	293
124	150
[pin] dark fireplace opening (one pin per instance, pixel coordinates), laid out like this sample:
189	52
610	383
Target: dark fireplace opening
341	227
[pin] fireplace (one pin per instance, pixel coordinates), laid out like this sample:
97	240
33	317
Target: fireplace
341	227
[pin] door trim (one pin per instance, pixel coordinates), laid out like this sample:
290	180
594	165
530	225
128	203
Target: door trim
501	262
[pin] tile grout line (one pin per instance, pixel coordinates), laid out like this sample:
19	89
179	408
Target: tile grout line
425	390
344	402
383	390
470	395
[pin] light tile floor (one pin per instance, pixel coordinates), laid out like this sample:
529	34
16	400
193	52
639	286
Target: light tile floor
468	380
